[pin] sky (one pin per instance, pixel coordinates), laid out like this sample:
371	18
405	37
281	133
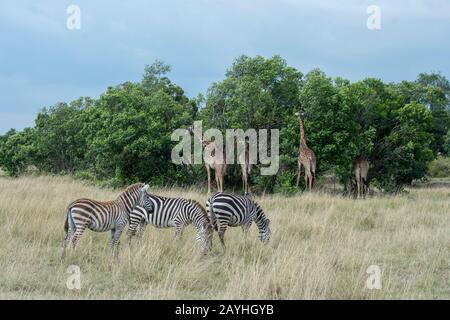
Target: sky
43	62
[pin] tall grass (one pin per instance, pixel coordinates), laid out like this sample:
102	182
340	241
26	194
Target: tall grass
321	248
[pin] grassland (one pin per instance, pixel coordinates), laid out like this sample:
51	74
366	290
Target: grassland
321	248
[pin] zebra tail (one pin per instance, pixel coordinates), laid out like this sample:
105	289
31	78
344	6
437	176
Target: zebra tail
212	216
66	223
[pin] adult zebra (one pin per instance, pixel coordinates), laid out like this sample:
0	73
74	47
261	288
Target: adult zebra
230	210
102	216
164	212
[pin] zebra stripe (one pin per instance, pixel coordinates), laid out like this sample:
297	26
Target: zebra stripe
101	216
230	210
163	212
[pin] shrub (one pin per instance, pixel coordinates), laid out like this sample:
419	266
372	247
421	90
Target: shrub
439	168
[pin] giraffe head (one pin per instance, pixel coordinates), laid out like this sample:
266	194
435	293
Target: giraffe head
190	130
301	114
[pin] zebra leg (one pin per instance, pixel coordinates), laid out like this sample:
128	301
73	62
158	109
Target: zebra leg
67	238
178	232
221	233
246	227
115	237
70	229
133	227
78	233
141	229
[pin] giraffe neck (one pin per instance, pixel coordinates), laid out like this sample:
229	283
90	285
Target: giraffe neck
302	133
200	138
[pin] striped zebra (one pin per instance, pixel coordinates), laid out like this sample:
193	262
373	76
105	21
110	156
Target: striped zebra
102	216
230	210
163	212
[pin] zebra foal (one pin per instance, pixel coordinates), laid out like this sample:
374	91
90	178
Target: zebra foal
230	210
99	216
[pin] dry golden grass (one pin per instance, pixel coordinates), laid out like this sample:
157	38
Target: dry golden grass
321	248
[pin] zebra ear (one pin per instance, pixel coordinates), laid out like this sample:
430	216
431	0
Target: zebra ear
145	188
268	221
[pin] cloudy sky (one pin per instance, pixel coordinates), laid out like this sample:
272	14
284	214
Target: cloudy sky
42	62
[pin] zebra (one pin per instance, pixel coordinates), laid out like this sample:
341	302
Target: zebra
164	212
101	216
225	209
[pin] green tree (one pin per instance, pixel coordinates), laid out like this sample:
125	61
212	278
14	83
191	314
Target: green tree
16	150
338	123
433	91
59	143
128	133
258	93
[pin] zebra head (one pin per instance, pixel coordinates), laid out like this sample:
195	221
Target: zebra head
205	233
208	236
145	200
204	237
264	231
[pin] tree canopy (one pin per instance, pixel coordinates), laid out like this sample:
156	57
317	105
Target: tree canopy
124	135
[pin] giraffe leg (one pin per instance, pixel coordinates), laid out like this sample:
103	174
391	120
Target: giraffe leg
365	188
242	177
361	189
248	167
218	184
358	183
208	171
245	180
357	188
306	178
299	170
220	176
310	181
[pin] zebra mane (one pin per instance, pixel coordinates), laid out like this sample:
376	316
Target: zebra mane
260	214
129	191
132	188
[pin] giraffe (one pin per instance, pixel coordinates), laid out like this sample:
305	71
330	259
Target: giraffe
216	162
306	156
246	167
360	169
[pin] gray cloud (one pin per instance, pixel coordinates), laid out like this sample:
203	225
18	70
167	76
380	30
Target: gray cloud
44	63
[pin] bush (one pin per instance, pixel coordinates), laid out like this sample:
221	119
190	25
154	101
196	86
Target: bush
439	168
124	136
